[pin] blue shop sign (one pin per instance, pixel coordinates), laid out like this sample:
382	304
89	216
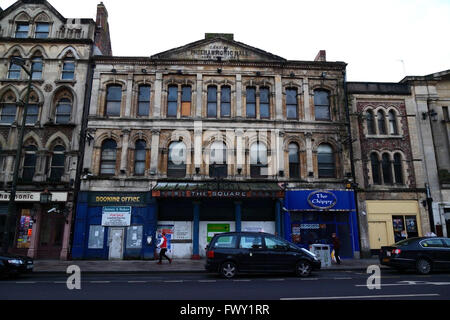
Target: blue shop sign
317	200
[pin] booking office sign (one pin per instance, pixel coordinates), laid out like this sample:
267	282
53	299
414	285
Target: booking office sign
322	199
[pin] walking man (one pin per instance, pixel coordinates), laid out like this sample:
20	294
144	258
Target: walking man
163	246
336	247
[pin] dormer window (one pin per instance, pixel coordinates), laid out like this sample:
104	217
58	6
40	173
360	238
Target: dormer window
22	30
42	31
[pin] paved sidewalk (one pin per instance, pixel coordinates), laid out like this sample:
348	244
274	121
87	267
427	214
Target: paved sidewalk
150	266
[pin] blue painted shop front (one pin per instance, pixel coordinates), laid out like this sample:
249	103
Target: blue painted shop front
311	216
107	220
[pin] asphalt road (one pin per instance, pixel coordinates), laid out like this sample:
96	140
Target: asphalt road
321	285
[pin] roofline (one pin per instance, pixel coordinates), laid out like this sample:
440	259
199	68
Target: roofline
432	76
18	3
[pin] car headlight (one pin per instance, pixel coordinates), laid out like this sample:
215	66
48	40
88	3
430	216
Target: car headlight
309	253
15	261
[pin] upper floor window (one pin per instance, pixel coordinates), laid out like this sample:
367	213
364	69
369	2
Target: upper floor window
375	163
398	169
22	30
264	103
8	108
29	163
225	102
186	97
58	163
392	123
386	168
294	161
325	161
381	122
291	104
42	30
144	101
176	164
370	122
68	70
113	100
258	160
172	101
14	71
63	111
322	105
36	68
108	157
251	102
218	160
212	102
139	157
32	113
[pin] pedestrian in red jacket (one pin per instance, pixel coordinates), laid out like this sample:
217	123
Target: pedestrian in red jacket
163	246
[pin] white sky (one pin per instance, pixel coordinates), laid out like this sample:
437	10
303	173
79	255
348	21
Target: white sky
381	40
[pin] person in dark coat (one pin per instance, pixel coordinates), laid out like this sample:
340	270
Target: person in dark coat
336	247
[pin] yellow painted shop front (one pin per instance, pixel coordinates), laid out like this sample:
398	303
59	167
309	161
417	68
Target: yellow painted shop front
392	221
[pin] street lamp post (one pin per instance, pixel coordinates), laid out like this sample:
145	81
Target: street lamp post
12	197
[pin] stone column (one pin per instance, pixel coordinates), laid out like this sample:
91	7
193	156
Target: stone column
199	97
124	153
158	95
154	152
238	96
196	231
237	212
309	154
198	134
278	98
306	100
66	236
34	243
129	95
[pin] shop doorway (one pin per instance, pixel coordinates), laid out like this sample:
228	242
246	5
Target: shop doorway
51	236
116	243
378	234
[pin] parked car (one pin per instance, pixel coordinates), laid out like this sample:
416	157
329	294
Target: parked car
11	265
235	252
424	254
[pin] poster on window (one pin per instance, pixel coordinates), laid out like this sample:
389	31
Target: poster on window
215	228
25	230
168	230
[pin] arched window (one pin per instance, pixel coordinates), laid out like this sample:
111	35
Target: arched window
387	169
14	69
225	102
63	111
186	97
68	71
29	163
258	160
398	169
264	103
172	101
113	100
392	123
322	105
144	101
58	163
36	68
294	161
139	157
176	166
33	109
8	109
381	122
325	161
370	122
22	29
212	102
42	30
108	157
291	103
375	162
250	99
218	160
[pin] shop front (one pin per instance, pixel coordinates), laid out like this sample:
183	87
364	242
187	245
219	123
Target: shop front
312	216
193	213
41	221
114	226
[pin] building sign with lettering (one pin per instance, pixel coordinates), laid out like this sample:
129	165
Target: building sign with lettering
28	196
116	216
101	198
218	194
322	200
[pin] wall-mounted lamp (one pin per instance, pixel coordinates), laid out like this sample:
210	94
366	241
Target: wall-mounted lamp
144	70
281	173
310	174
219	70
113	70
197	170
89	138
324	74
239	171
433	115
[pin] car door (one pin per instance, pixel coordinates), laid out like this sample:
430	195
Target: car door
278	254
447	252
251	253
435	249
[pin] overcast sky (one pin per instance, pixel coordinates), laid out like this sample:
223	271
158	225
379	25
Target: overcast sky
381	40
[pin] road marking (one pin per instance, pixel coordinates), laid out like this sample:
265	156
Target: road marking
174	281
137	281
243	280
343	278
366	297
26	282
276	279
100	281
207	280
409	283
309	279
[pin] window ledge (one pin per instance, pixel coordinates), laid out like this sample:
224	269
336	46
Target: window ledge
384	136
71	82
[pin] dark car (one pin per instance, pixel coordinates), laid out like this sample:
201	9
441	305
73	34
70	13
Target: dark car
233	252
423	254
11	265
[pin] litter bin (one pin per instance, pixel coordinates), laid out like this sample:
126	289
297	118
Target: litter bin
323	253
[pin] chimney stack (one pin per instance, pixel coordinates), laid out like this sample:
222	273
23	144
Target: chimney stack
321	56
102	37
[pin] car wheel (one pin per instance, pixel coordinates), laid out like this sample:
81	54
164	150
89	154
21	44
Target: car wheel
228	269
303	268
423	266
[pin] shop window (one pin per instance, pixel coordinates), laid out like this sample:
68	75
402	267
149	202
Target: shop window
14	71
36	68
258	160
322	105
29	163
96	237
139	157
392	123
370	120
291	103
172	101
144	101
176	166
381	122
134	237
294	161
225	102
22	30
212	102
251	242
42	31
218	160
108	157
8	113
63	111
387	169
325	161
68	71
58	163
375	163
113	100
24	231
251	102
411	226
264	103
186	97
398	170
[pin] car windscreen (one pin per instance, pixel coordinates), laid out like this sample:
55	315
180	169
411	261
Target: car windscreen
228	241
404	243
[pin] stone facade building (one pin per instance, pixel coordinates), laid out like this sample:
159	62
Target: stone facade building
214	136
58	51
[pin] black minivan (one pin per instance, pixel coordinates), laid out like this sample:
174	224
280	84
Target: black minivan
232	252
